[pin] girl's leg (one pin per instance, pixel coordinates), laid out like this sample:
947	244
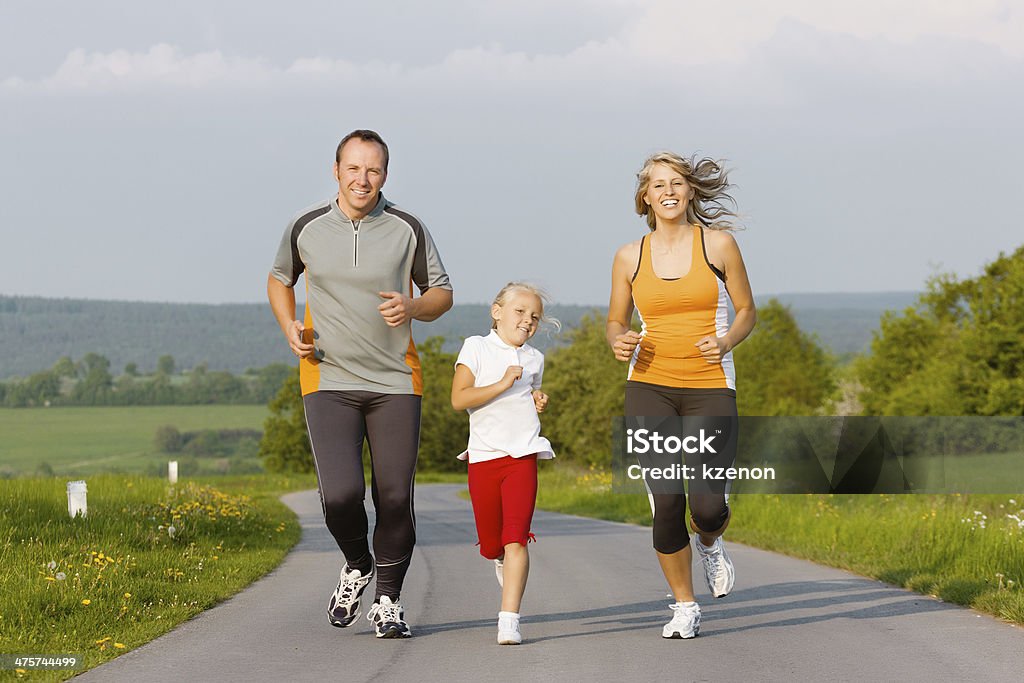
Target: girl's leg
518	499
485	494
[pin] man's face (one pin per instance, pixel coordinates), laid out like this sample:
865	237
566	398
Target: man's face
360	175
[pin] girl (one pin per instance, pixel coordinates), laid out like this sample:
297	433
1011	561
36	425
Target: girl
680	278
497	379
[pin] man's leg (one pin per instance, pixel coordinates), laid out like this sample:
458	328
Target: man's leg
336	430
393	429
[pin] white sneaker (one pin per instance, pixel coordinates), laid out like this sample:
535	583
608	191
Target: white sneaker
343	607
499	571
508	629
389	619
685	621
718	570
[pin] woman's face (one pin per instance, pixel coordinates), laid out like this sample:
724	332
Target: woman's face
668	194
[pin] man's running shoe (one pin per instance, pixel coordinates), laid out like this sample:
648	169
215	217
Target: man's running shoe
718	569
388	619
343	607
499	571
508	629
685	621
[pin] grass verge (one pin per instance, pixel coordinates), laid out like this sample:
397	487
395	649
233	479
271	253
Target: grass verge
147	557
965	549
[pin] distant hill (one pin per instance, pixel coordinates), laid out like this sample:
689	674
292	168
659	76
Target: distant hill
35	332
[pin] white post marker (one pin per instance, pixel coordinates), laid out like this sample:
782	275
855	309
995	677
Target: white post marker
172	471
76	498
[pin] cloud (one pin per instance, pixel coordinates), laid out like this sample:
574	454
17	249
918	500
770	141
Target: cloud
657	40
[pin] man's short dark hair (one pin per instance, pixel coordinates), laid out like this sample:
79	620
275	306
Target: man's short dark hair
366	136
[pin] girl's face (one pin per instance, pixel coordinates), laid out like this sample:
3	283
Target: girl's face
518	318
668	193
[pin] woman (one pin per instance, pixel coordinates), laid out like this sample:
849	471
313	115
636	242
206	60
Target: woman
681	278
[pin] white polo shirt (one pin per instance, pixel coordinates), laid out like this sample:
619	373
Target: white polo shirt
508	423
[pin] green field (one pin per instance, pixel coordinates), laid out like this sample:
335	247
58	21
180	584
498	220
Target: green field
147	557
81	441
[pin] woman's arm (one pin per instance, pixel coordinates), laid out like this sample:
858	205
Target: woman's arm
725	254
620	338
465	395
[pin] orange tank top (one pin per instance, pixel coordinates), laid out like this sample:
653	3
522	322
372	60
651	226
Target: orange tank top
676	314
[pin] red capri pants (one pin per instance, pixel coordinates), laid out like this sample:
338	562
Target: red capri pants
504	493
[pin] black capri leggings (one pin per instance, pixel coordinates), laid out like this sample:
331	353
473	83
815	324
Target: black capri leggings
709	509
337	422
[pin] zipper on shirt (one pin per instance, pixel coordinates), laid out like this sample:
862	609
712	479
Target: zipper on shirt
355	243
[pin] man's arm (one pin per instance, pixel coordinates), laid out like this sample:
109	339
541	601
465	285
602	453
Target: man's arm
398	308
282	303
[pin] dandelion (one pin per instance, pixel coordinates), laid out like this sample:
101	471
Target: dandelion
87	601
52	565
103	640
61	576
119	646
127	595
171	531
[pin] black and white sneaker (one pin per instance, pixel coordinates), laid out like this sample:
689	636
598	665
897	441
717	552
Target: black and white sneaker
343	607
388	619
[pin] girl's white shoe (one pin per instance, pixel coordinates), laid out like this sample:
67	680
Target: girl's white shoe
508	629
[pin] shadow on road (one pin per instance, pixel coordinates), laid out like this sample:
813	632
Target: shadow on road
833	600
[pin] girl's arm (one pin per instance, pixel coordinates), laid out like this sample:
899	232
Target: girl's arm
465	395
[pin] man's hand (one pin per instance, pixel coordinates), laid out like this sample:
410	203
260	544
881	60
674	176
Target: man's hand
294	336
540	400
396	309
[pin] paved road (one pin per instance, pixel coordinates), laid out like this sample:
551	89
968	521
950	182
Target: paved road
593	611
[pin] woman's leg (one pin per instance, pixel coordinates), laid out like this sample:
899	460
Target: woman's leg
671	540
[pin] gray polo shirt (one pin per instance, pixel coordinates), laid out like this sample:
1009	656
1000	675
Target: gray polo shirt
346	264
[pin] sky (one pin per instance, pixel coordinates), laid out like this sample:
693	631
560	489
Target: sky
157	151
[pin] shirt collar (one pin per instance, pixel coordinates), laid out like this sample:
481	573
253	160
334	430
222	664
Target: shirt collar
498	341
375	213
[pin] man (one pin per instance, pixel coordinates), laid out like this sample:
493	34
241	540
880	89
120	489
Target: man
359	371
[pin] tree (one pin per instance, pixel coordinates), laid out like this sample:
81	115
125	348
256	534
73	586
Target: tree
165	365
585	384
94	387
167	439
780	370
958	351
285	443
131	369
444	432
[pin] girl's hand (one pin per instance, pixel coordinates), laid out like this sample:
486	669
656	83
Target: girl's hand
540	400
713	348
625	344
513	373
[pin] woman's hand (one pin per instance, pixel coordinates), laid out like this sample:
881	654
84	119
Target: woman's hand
713	348
625	344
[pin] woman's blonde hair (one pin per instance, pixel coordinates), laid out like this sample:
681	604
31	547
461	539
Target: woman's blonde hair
502	297
709	181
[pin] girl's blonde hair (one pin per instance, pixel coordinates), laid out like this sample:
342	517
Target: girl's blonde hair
709	181
502	297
